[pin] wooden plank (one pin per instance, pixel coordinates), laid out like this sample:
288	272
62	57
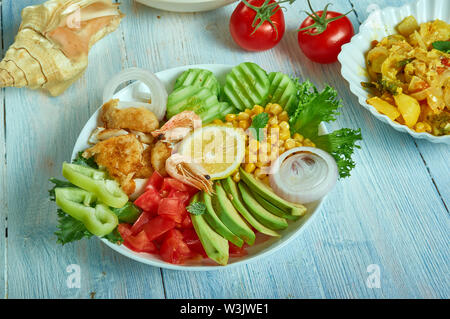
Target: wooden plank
3	195
378	206
41	133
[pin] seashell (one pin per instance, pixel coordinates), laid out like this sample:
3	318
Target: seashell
51	49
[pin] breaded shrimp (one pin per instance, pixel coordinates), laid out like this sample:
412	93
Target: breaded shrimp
132	118
159	155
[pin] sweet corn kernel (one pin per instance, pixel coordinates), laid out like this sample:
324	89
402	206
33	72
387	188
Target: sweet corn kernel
298	144
257	109
267	108
298	137
289	143
259	173
229	124
283	116
249	167
235	123
266	180
230	117
273	120
243	116
236	177
282	149
249	112
284	126
275	109
284	135
218	122
243	124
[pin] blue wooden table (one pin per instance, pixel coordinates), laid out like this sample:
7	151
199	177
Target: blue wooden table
390	220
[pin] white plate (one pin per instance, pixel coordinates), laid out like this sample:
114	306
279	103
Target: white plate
378	25
186	5
258	250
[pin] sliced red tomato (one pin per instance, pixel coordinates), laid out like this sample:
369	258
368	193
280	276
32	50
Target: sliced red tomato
173	249
155	181
172	208
140	243
149	201
236	251
174	184
186	222
141	221
193	242
124	230
158	226
184	197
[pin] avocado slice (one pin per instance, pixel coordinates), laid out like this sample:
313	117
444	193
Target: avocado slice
272	208
230	217
216	247
233	195
214	221
266	218
259	187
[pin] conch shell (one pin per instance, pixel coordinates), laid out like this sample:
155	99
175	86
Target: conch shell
52	46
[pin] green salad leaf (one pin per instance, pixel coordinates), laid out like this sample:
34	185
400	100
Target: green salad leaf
58	183
88	162
259	122
316	107
443	46
70	229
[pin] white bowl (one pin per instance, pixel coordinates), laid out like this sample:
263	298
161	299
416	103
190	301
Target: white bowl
259	249
186	5
378	25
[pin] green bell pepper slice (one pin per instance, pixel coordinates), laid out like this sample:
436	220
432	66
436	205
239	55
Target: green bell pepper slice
95	181
99	220
128	213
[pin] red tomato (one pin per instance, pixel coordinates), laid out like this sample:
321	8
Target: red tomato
193	242
157	226
139	243
141	221
170	184
266	36
171	208
155	181
326	46
186	222
184	197
173	249
124	230
149	201
445	61
236	251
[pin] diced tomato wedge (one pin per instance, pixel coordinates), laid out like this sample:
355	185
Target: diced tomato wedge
155	181
157	226
236	251
193	242
141	221
140	243
149	201
172	183
183	196
186	222
171	208
174	250
124	230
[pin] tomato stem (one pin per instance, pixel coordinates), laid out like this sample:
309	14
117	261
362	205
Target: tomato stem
265	12
320	22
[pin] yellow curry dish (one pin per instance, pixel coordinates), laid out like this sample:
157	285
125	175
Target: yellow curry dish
410	76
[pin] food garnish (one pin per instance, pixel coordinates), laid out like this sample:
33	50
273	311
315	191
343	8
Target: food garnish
190	190
51	48
303	174
410	76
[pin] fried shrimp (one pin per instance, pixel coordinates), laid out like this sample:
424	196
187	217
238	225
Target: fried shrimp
132	118
122	158
159	155
178	127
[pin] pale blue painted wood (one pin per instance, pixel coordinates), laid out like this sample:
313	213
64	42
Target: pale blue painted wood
3	197
390	212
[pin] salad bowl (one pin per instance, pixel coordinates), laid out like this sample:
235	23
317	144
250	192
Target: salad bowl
378	25
186	5
262	247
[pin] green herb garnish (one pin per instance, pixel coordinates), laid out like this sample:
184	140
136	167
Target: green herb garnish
196	208
443	46
259	122
89	162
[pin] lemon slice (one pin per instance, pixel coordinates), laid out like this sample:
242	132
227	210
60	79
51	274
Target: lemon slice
219	149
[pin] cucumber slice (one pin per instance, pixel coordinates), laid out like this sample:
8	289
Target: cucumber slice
246	85
197	99
283	91
198	78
